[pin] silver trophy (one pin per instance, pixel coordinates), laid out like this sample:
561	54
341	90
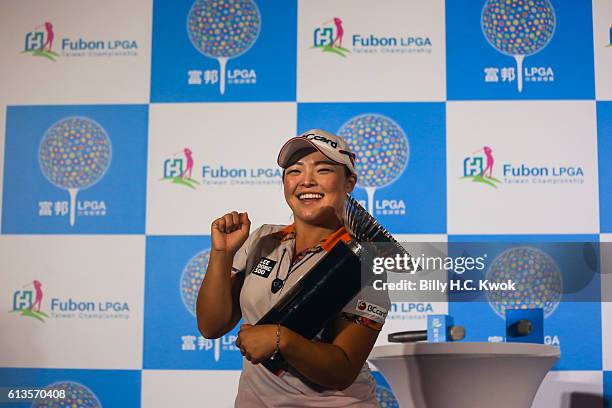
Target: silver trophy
320	294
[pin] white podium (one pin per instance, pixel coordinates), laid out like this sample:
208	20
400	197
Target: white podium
464	375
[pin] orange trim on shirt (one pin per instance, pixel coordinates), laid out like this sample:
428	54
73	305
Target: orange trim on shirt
283	232
326	243
340	235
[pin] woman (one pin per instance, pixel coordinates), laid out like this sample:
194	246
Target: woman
247	275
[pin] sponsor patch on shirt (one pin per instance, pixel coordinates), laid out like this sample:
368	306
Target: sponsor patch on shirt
263	267
371	309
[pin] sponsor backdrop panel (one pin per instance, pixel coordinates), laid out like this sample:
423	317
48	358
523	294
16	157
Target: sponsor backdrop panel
606	298
571	307
88	169
405	316
602	41
608	387
209	388
86	174
512	167
246	53
384	394
519	49
54	53
604	147
401	157
568	389
208	159
175	267
410	312
82	388
72	301
606	318
360	51
2	137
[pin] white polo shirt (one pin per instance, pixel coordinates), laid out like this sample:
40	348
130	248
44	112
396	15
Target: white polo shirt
266	255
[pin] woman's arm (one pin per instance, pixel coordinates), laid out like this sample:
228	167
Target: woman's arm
218	306
334	365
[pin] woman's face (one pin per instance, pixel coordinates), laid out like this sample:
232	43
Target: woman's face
315	189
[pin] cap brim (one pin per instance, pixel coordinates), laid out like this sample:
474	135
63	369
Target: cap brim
292	146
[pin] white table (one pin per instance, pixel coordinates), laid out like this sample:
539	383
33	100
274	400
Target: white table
463	374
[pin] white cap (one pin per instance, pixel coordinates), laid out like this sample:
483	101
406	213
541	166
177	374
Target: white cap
332	146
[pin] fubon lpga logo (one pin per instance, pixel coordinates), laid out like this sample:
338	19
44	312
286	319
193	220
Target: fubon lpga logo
331	37
223	29
181	169
41	42
28	302
479	167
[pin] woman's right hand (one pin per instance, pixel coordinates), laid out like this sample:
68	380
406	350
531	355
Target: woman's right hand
229	232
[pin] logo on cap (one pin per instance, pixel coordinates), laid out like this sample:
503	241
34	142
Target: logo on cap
319	138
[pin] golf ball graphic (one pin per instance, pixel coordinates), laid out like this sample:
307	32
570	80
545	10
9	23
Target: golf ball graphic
74	154
191	279
537	277
223	29
76	395
518	28
382	151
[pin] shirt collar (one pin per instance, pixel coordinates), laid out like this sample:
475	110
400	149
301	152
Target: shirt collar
288	233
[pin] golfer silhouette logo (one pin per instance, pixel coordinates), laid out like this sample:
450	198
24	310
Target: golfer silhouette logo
223	29
74	154
179	171
50	36
189	168
329	39
518	28
479	170
29	304
39	43
39	295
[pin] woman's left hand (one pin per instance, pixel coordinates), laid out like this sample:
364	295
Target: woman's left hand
256	343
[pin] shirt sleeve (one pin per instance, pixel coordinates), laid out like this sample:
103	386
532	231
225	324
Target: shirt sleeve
240	258
368	308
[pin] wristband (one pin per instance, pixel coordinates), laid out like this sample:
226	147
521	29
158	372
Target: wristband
277	347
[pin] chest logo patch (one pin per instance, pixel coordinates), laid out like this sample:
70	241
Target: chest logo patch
263	267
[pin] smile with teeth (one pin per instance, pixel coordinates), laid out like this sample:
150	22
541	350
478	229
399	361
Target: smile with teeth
310	196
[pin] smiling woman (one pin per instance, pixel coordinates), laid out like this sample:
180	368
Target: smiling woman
247	275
